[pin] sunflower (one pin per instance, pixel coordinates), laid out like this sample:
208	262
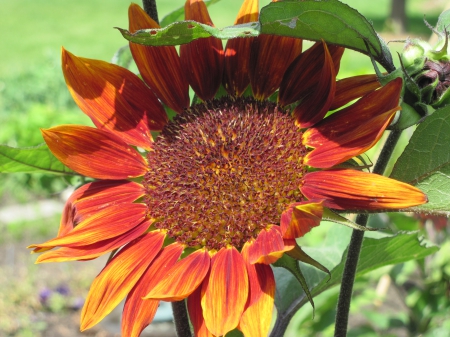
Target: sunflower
199	206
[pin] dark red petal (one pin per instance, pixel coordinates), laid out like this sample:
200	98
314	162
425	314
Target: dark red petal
269	58
160	67
226	292
94	153
237	52
114	98
268	246
94	250
105	224
182	278
257	316
356	190
202	59
118	277
137	312
196	312
352	88
311	79
299	218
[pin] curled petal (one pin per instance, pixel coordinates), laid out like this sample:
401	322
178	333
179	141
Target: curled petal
182	278
94	250
300	218
202	59
356	190
237	52
257	316
105	224
94	153
269	58
352	88
118	277
160	67
114	98
225	292
268	246
137	312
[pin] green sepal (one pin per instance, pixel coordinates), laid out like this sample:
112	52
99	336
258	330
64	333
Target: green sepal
408	117
329	215
292	266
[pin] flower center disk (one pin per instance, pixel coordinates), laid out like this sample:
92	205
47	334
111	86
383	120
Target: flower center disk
224	170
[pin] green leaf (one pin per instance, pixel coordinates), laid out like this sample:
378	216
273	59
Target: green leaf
178	14
122	57
425	162
30	159
331	21
443	22
186	31
329	215
378	250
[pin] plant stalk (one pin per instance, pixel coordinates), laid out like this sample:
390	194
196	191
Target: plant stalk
354	248
151	9
181	320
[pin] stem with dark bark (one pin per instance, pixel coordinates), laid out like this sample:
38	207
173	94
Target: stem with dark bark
150	9
354	248
181	319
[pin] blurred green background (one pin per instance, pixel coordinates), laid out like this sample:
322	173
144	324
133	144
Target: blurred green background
33	95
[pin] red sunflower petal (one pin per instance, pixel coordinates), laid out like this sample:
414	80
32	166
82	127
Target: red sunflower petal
350	144
94	153
114	98
182	279
226	291
160	67
269	58
237	52
196	313
118	277
345	120
105	224
311	78
202	59
268	246
351	88
356	190
137	312
300	218
94	250
257	316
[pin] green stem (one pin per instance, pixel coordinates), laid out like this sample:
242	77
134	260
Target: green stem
181	319
354	248
151	9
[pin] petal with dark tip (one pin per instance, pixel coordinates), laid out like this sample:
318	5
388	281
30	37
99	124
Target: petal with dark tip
225	292
237	52
196	313
362	111
118	277
257	316
93	250
202	59
314	88
356	190
94	153
350	144
299	218
268	246
105	224
160	67
137	312
114	98
182	278
352	88
269	58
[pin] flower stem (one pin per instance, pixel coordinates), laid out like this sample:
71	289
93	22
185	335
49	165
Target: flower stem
150	9
354	248
181	319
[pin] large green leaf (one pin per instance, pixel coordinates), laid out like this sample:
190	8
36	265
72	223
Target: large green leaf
330	20
378	250
30	159
425	163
